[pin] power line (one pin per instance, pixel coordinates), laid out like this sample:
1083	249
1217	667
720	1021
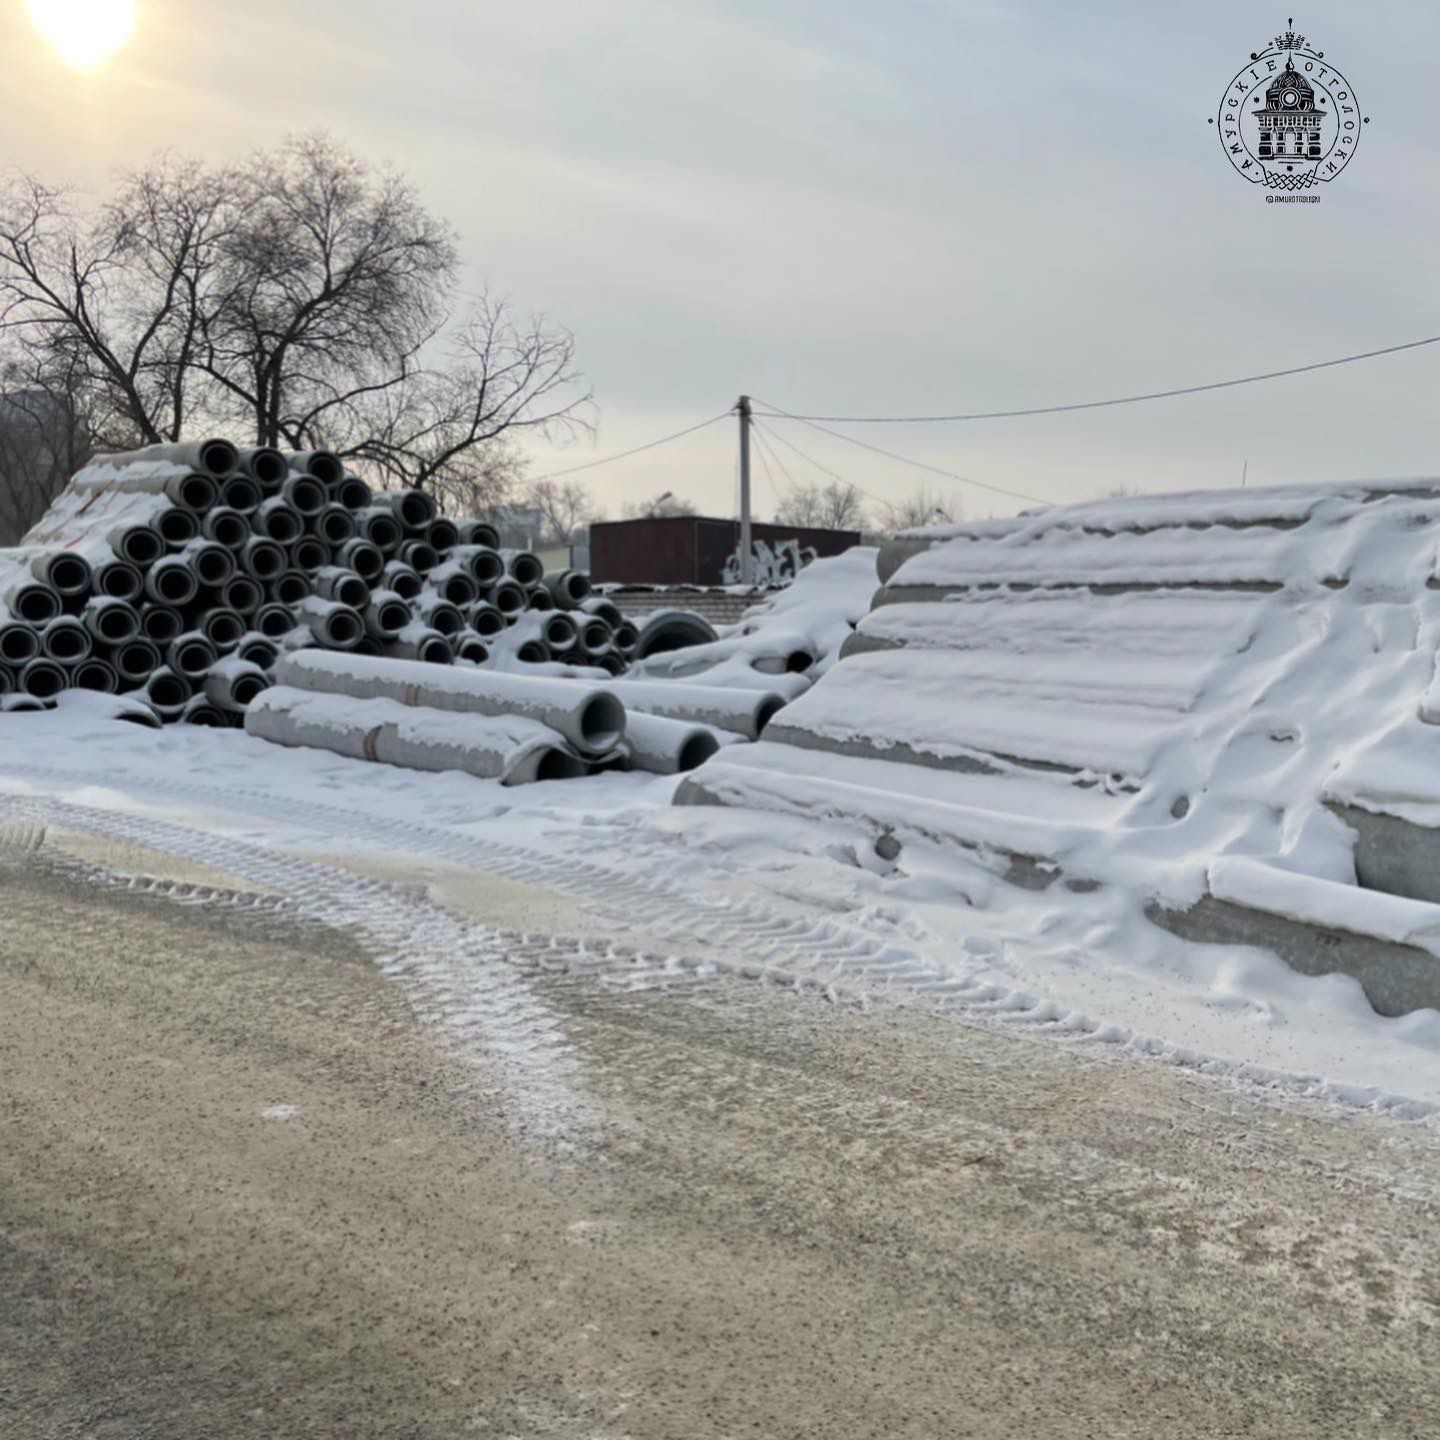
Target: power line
808	459
765	465
763	438
1119	400
625	454
903	459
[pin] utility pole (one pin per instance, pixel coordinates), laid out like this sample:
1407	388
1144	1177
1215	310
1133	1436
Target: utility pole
747	553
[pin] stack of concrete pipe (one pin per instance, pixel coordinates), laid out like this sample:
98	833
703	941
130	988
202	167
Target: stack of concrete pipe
497	725
182	572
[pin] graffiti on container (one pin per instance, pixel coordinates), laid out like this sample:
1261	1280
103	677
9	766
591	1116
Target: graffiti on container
777	566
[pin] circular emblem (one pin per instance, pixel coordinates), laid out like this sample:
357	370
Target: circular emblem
1289	119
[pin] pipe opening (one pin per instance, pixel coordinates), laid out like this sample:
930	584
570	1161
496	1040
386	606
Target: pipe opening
527	570
486	621
198	493
282	525
325	467
227	528
219	457
697	750
43	679
116	625
508	598
596	636
246	688
264	559
443	535
140	545
35	604
159	622
118	580
557	765
336	527
342	630
223	630
290	588
98	675
214	567
177	527
460	590
417	509
243	595
404	582
392	616
193	658
306	495
240	494
367	645
353	493
351	590
436	651
174	584
475	651
477	532
70	575
18	644
67	642
383	531
268	466
602	721
419	555
487	567
136	660
532	652
205	714
797	662
766	711
309	554
273	621
169	692
364	559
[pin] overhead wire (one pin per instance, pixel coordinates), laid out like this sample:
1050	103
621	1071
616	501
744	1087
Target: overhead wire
638	449
1116	400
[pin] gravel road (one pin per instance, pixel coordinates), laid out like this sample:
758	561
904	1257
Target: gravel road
249	1187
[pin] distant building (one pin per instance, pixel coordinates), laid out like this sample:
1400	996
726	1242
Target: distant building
697	550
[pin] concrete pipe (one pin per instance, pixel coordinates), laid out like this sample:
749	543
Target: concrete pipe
304	494
509	749
196	493
607	610
567	587
171	581
258	648
540	599
19	643
241	494
273	620
233	684
454	582
21	703
367	644
42	678
139	544
130	709
96	674
747	712
222	627
894	553
324	465
267	467
177	528
66	573
110	621
420	555
443	534
289	588
668	630
485	620
263	559
478	532
378	525
363	558
667	747
7	680
198	710
160	623
334	525
591	718
226	526
612	662
136	660
558	631
418	642
386	615
336	626
434	610
532	652
484	563
118	579
66	641
308	553
414	509
335	582
299	638
215	458
626	638
278	521
242	594
191	655
508	598
27	600
167	692
523	567
353	493
595	637
212	563
470	647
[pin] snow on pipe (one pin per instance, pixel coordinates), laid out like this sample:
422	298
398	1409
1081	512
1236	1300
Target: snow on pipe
66	641
95	674
334	625
167	692
508	598
470	647
64	571
419	554
136	660
105	706
190	655
226	526
523	568
171	582
591	718
19	703
232	683
454	582
139	468
278	521
418	642
402	579
378	525
747	712
110	621
667	747
386	615
667	630
335	582
212	563
363	558
198	710
508	748
259	649
606	609
567	587
483	562
894	553
42	678
439	613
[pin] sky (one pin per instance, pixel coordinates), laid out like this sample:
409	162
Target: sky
844	208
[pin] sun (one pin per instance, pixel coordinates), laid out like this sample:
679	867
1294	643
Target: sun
84	33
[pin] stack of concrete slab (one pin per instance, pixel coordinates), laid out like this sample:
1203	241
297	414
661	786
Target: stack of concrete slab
1214	700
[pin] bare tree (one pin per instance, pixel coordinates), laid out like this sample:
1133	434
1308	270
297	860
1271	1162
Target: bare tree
302	298
565	507
45	436
660	507
919	509
835	506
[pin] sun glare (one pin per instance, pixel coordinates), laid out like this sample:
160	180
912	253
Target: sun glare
84	33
